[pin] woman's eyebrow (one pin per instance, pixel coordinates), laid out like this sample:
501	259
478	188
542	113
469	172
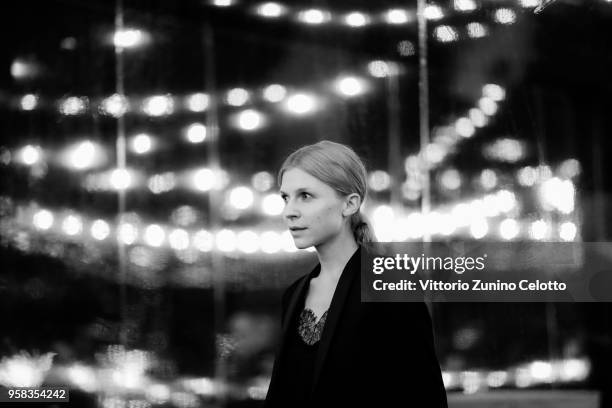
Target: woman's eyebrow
299	190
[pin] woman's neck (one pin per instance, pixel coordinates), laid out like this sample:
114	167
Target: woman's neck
335	254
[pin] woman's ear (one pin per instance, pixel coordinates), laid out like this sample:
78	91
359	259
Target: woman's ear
351	204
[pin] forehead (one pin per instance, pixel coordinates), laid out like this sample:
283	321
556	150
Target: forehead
295	179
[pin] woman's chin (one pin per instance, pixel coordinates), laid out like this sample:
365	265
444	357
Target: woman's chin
302	243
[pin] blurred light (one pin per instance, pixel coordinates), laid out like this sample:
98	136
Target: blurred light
356	19
479	228
381	69
184	216
237	96
22	370
223	3
141	143
433	12
494	91
476	30
30	155
450	179
127	233
178	239
198	102
508	228
471	381
158	393
274	93
68	43
397	16
248	242
84	155
270	242
527	176
72	225
497	379
115	105
522	378
313	16
506	200
505	150
250	119
490	205
464	127
574	370
161	183
417	225
272	204
529	3
301	104
83	377
350	86
270	10
241	197
434	153
158	105
262	181
487	105
120	179
569	168
382	213
379	180
504	16
488	179
43	219
544	172
541	371
226	240
21	69
73	105
539	230
204	179
446	224
446	33
406	48
196	133
154	235
128	38
464	5
568	231
100	230
558	194
28	102
477	117
203	241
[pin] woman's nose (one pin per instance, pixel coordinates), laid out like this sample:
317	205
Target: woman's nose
290	212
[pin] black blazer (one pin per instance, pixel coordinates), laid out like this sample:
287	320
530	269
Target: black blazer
369	353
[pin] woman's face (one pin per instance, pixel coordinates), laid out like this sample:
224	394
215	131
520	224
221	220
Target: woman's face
313	210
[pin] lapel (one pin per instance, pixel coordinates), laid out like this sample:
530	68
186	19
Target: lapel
349	273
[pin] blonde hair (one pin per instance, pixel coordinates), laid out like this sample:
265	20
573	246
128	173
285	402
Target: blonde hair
339	167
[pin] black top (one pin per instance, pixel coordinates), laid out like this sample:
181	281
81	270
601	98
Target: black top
374	354
302	346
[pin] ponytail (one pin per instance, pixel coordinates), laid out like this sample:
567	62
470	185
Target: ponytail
361	230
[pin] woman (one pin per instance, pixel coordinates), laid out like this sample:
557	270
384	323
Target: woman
336	350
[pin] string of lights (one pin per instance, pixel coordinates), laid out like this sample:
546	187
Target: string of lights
276	11
125	370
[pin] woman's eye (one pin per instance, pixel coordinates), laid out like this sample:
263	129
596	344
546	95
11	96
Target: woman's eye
305	195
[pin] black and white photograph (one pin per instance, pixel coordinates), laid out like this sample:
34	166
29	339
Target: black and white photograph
306	203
